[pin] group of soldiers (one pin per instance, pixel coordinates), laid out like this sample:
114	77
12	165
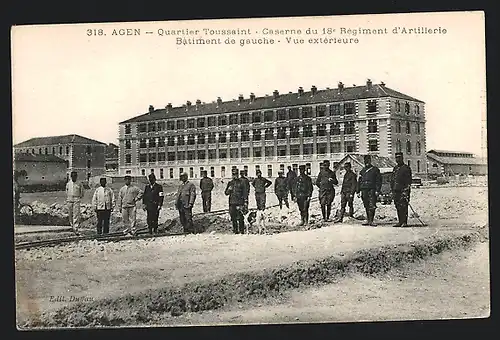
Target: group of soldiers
300	188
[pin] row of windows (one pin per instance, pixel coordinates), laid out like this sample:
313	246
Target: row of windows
46	151
407	127
416	108
408	147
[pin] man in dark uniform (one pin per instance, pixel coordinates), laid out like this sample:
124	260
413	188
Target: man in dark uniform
290	179
325	182
186	195
246	182
260	184
349	188
152	201
303	190
206	186
236	190
401	187
281	190
369	186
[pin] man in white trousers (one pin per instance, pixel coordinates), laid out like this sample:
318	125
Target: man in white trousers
74	195
127	199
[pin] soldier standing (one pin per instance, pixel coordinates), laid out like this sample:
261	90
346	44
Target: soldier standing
152	201
281	190
325	182
349	188
103	202
401	186
128	197
74	194
260	184
246	182
186	195
236	190
206	186
290	179
369	185
303	190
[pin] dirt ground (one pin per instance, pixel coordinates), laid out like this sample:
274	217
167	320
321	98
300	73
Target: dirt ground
452	285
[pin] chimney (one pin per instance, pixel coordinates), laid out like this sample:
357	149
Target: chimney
252	97
168	107
188	104
151	108
276	94
314	90
219	100
382	84
198	103
240	98
341	87
369	83
301	91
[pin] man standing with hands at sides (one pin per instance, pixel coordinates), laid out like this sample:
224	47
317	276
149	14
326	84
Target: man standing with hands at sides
290	179
74	195
349	188
186	196
401	186
281	190
206	186
236	190
369	185
303	190
103	202
152	201
127	203
246	182
260	184
325	182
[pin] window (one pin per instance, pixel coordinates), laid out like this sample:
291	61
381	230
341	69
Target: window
171	156
152	142
128	158
191	172
256	117
234	153
245	152
143	172
294	113
211	138
281	114
407	108
222	171
373	145
128	144
212	154
201	139
46	151
191	140
372	126
212	121
321	130
170	141
171	173
417	128
67	150
408	147
200	122
170	125
151	127
409	163
142	127
222	153
372	106
269	134
233	136
245	118
161	142
308	149
320	110
398	146
257	152
190	123
321	148
294	131
350	146
269	150
349	108
161	174
307	131
201	171
418	148
161	156
181	171
268	116
53	151
417	109
257	168
222	137
398	126
335	129
190	155
336	147
143	157
256	135
222	120
269	170
128	129
282	167
295	168
128	172
307	112
408	128
418	166
212	171
335	109
161	125
180	124
295	149
282	150
398	106
349	128
202	155
282	133
233	119
181	155
308	168
245	136
60	150
152	157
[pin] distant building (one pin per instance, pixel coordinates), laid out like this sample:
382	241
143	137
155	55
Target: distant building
84	155
39	170
450	163
385	164
272	132
111	157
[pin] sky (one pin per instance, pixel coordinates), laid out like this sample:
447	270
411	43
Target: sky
66	82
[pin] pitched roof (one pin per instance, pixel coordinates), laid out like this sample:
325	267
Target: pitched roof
436	151
458	160
269	102
54	140
380	162
28	157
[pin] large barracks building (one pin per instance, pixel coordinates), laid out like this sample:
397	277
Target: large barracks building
273	132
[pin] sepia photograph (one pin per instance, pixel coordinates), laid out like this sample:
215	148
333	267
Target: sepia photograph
322	169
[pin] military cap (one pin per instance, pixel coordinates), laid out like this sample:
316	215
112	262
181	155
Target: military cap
242	171
152	176
399	154
74	173
367	157
127	177
234	170
326	162
302	166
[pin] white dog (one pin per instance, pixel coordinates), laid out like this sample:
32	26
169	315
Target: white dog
257	218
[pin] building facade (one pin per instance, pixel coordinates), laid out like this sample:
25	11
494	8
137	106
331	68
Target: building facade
39	170
111	161
451	163
84	155
273	132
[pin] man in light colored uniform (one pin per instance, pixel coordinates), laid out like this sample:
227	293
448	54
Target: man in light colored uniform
127	198
103	202
74	195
